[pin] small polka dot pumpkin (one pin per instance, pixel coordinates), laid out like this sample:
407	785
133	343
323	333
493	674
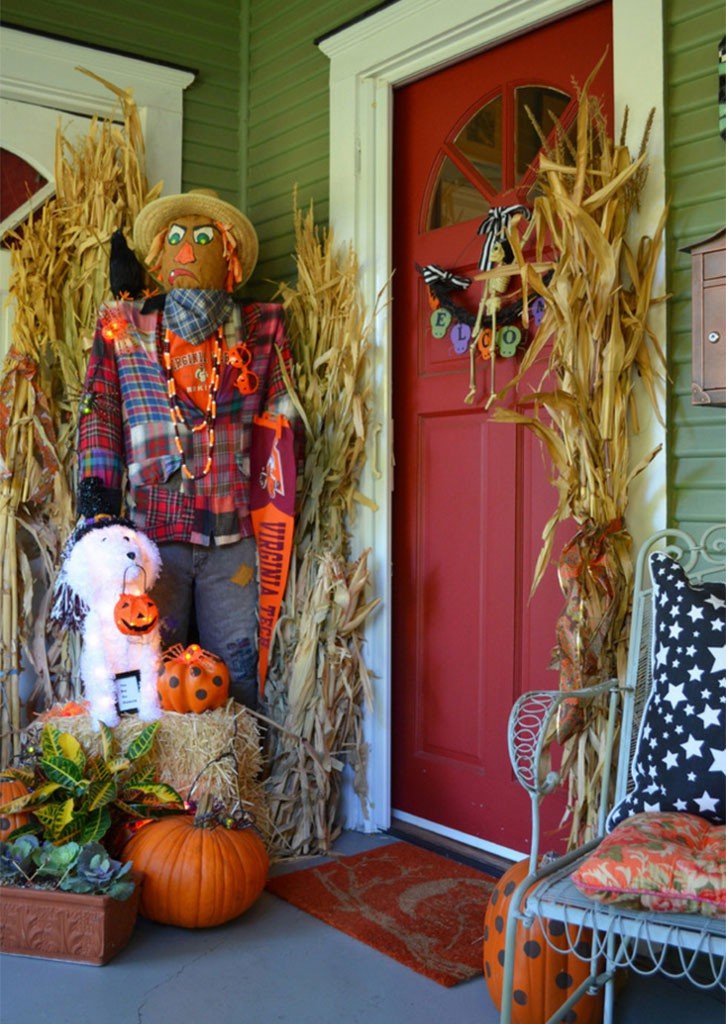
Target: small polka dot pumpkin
192	680
11	789
543	977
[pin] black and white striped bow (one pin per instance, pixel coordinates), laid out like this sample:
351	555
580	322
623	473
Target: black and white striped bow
494	226
433	274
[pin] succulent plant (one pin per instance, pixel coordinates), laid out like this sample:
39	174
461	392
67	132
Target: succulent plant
54	861
71	867
96	872
16	860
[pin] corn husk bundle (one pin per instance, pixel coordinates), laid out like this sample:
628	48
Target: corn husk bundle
596	321
318	684
59	279
215	753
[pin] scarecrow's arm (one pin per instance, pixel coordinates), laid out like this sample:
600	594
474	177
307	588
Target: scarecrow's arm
100	437
278	393
277	398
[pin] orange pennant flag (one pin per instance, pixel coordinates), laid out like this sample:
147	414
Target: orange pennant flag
272	507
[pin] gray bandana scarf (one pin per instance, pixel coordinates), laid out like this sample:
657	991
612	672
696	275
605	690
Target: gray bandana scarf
195	313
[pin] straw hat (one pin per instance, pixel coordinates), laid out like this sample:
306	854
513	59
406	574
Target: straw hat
204	201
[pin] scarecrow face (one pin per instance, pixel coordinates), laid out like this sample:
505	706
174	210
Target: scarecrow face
193	254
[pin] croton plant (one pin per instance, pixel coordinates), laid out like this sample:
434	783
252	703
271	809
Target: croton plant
72	796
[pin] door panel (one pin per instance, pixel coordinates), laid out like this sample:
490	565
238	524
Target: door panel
471	496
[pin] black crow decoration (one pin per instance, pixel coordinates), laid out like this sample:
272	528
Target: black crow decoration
126	274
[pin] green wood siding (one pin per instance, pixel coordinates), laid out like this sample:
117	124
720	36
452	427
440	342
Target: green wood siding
205	37
288	126
696	175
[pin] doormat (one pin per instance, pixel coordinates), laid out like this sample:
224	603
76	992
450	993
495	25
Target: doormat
421	909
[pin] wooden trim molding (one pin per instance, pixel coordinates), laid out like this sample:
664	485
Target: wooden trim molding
43	71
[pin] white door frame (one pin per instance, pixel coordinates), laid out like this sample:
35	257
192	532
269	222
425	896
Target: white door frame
398	44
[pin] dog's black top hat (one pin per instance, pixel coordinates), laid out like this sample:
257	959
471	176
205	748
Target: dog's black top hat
95	508
95	513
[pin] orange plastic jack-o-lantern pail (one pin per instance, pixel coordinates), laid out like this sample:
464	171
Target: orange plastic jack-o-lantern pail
135	614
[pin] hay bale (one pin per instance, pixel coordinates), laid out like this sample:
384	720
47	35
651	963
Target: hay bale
217	752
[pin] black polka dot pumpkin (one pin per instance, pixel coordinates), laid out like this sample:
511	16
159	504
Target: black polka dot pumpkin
543	977
192	679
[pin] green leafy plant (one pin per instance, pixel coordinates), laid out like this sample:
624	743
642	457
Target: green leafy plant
16	860
71	867
76	797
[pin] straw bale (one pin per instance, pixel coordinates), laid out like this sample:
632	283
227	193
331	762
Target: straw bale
216	753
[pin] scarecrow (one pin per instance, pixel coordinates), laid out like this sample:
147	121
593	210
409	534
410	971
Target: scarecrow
174	386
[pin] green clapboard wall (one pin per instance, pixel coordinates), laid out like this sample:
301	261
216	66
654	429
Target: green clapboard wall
288	129
696	181
203	37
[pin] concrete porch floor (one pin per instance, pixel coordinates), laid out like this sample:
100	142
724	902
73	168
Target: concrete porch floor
278	965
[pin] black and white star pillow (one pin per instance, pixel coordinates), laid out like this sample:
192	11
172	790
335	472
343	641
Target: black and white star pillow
680	757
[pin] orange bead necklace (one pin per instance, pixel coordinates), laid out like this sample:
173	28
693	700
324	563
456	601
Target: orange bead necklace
177	413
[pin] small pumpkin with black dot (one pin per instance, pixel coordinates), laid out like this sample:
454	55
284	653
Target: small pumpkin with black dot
192	680
543	977
10	791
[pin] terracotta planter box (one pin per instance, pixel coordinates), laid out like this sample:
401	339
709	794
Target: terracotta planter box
69	926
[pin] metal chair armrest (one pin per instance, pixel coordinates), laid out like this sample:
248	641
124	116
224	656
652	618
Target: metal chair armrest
530	734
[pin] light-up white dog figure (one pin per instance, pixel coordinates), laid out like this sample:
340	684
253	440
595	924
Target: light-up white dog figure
105	558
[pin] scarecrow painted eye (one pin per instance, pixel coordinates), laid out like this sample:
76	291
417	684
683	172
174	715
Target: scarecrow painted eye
204	234
176	233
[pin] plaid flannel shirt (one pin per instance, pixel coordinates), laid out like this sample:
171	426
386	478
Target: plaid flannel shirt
129	426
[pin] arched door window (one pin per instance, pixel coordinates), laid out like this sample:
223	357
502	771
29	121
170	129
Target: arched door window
493	157
19	182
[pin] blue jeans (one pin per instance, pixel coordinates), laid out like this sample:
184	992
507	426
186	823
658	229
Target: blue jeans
220	584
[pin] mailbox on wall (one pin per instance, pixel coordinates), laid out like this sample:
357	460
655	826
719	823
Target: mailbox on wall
708	298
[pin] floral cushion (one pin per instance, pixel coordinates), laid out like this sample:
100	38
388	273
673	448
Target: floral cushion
680	760
668	862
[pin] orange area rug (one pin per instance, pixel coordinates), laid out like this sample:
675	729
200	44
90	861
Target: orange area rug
423	910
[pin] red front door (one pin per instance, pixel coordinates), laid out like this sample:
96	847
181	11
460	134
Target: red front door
471	496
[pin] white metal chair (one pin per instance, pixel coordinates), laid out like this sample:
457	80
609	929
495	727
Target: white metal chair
687	946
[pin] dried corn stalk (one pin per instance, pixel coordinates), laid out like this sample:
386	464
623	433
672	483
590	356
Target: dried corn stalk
59	278
318	684
597	303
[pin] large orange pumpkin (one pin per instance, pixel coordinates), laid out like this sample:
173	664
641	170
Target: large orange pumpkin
197	876
543	977
11	789
192	680
135	614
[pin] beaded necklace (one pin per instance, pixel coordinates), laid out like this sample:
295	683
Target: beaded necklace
177	413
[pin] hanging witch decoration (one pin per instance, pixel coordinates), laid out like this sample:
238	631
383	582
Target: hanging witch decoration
495	329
